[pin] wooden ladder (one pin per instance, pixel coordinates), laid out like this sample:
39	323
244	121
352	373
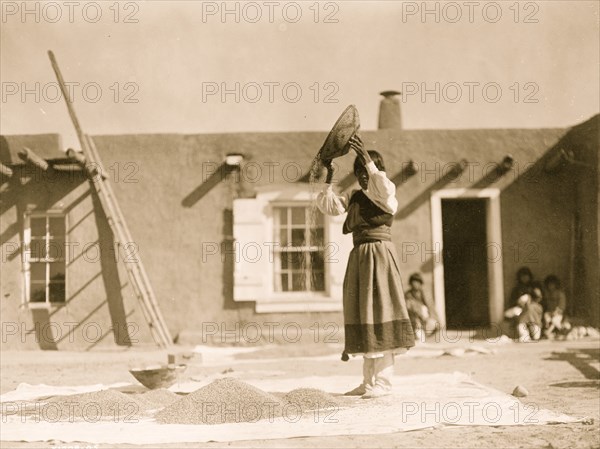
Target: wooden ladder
135	269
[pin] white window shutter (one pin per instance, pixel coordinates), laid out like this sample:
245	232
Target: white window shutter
336	255
250	232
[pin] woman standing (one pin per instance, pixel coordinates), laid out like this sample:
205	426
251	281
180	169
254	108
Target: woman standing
376	321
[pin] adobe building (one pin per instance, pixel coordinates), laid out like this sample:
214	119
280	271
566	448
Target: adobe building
225	228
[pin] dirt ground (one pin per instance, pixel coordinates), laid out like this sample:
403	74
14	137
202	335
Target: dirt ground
561	376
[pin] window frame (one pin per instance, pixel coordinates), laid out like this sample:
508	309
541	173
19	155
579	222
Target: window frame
274	206
26	257
253	225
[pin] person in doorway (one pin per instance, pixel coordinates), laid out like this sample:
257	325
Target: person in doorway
376	321
421	310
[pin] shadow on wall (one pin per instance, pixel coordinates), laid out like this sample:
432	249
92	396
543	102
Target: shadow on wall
425	195
110	275
212	181
543	208
12	197
578	156
5	156
29	193
43	330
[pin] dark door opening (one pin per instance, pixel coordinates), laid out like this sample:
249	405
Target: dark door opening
465	263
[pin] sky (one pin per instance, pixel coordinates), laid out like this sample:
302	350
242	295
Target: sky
212	67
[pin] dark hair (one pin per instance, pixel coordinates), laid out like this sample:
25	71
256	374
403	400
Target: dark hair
377	159
524	271
415	277
552	279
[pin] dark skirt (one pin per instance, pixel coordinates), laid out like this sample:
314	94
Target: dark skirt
375	315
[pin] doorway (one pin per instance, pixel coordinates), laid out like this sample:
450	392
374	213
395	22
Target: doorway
465	262
467	256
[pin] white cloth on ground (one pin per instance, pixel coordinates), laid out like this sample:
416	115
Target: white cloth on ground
416	402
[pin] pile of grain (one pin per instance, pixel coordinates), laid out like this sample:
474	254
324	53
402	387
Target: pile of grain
94	406
310	399
225	400
159	398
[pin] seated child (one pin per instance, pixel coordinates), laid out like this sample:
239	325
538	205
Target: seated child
556	303
529	325
519	296
523	285
421	311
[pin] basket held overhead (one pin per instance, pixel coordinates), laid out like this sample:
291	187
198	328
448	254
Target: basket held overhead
336	143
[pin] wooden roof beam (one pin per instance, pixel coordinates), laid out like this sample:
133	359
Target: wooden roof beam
27	155
5	171
76	156
79	158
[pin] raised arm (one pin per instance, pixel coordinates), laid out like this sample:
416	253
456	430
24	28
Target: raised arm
327	201
380	189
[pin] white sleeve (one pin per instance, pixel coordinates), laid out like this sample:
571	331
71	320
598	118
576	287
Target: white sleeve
381	190
329	203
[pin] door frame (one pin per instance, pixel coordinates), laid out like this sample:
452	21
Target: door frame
494	248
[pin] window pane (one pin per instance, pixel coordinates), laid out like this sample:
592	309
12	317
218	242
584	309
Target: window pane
57	226
57	292
283	239
38	272
297	237
57	271
298	215
284	260
38	293
318	281
283	215
316	261
38	226
298	282
298	261
284	282
56	249
292	260
38	249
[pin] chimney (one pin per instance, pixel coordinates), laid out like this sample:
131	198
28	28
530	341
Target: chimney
389	110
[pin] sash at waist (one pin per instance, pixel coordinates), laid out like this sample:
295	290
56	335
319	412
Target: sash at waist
370	235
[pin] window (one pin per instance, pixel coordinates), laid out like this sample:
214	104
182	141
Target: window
45	258
289	257
299	252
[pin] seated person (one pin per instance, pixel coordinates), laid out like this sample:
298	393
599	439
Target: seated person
523	285
421	310
529	325
555	304
519	296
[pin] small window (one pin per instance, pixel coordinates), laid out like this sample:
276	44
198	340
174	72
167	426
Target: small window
299	253
45	258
